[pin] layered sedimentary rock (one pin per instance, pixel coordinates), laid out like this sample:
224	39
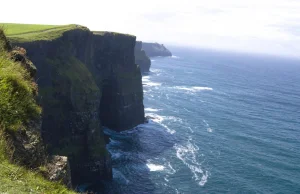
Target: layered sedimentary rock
86	80
141	58
155	49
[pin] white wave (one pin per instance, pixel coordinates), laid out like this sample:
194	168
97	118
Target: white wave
175	57
203	179
171	131
193	89
156	70
155	167
152	109
191	130
210	130
152	84
187	110
187	154
152	60
171	169
155	117
204	121
145	78
159	119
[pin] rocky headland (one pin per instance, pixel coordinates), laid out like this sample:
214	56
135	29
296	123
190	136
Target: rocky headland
155	49
84	81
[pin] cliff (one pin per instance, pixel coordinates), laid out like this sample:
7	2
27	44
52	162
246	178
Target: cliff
155	49
86	80
141	58
24	164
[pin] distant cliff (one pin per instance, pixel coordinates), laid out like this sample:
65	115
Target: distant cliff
155	49
141	58
86	80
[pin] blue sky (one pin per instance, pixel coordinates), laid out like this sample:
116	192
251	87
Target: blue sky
263	26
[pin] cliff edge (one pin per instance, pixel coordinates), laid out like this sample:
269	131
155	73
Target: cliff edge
86	80
25	166
155	49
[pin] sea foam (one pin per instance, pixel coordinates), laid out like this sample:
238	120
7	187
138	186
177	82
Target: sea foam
193	89
152	109
188	155
155	167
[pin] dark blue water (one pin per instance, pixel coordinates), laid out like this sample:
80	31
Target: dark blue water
222	123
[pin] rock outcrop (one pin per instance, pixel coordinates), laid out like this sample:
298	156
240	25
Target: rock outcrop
155	49
58	169
141	58
86	80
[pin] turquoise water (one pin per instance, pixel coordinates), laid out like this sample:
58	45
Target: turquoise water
222	123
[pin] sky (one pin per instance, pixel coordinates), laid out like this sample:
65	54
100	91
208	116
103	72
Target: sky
261	26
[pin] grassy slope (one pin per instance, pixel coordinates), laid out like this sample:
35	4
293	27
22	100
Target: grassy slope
17	106
11	28
17	179
34	32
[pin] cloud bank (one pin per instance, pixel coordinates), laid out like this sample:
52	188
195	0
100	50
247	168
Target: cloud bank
263	26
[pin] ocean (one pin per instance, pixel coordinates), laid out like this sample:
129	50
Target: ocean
221	122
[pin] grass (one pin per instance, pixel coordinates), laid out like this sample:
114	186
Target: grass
17	103
12	29
102	33
35	32
17	107
17	179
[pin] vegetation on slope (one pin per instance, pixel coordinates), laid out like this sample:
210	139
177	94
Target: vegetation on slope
12	28
17	108
17	103
35	32
17	179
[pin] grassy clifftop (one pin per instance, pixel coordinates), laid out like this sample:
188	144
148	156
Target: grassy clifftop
17	109
102	33
35	32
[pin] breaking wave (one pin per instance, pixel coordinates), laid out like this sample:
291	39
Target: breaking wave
152	109
188	155
193	89
155	167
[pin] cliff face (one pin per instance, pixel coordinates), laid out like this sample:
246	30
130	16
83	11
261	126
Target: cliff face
86	80
141	58
155	49
21	147
121	82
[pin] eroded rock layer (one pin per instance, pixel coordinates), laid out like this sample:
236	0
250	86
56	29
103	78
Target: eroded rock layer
86	80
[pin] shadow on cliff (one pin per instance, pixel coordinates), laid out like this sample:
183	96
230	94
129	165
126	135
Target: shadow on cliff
132	151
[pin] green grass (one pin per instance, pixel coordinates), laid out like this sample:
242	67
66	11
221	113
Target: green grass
102	33
35	32
17	103
12	29
17	107
17	179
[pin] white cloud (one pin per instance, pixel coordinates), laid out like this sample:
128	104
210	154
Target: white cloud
258	25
